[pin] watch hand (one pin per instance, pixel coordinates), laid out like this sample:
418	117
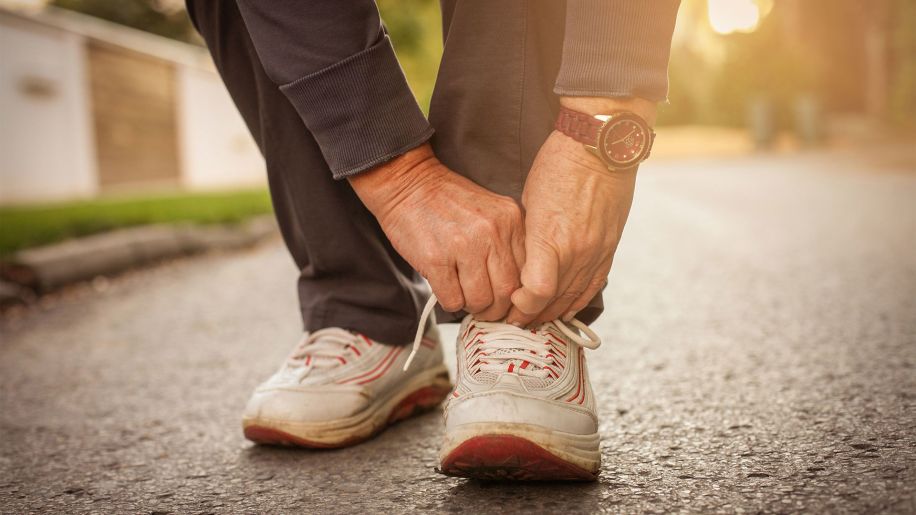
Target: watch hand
625	137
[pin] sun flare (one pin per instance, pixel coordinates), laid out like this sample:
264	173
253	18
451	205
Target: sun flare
727	16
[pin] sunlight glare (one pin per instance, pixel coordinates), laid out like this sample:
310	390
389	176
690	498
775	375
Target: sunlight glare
727	16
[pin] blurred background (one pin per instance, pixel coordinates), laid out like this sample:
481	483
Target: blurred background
111	114
760	322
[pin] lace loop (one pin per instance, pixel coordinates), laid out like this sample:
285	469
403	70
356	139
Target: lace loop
324	348
507	337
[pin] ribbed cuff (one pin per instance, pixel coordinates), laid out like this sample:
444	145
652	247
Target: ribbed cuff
617	48
360	110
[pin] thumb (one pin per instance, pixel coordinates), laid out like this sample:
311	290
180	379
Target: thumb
539	284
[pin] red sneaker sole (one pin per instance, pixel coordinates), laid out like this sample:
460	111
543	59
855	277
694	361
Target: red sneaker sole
419	401
500	457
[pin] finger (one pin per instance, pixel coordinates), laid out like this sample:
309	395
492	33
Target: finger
444	283
504	280
595	288
561	303
573	280
518	246
475	286
539	285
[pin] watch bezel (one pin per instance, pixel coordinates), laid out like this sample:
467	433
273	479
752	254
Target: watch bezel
609	121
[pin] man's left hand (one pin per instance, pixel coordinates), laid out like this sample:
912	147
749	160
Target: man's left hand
575	211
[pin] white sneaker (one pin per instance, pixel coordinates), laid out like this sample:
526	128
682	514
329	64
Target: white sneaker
340	388
523	406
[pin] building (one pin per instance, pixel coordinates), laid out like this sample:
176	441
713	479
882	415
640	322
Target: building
89	108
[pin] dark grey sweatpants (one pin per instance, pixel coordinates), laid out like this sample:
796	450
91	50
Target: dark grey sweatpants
492	108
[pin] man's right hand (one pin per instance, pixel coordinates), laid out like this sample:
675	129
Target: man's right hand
468	242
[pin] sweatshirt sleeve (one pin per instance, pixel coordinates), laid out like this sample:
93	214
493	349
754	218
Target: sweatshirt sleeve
617	48
335	63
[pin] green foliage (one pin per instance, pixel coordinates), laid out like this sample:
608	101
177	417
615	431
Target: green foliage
28	226
162	18
415	27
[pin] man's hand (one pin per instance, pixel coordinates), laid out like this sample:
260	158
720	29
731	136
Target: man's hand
465	240
575	211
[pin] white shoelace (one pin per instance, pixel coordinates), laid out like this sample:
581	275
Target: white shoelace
325	348
506	342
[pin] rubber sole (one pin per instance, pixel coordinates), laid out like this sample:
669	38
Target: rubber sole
425	392
527	455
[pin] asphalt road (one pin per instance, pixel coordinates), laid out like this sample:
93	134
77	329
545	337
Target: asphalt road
759	356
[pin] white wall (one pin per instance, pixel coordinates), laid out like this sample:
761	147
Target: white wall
46	144
216	149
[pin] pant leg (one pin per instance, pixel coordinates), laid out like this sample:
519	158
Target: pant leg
494	105
350	275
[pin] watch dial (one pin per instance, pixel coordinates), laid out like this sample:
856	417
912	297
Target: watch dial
624	142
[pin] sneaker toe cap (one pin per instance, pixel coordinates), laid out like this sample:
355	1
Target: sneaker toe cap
514	408
305	406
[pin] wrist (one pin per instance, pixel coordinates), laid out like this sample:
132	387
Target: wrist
384	187
646	109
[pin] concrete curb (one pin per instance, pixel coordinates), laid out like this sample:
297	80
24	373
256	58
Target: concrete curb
52	266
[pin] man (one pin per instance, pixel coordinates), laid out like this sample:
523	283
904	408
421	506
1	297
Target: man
509	200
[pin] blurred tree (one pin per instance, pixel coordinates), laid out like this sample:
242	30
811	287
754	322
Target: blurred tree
163	17
415	27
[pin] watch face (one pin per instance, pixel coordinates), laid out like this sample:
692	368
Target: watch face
625	141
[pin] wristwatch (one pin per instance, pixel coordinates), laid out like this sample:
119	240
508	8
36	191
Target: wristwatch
621	139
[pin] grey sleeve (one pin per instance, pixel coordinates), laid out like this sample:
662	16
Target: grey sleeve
335	63
617	48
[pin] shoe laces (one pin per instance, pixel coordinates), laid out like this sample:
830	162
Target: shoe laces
327	348
502	344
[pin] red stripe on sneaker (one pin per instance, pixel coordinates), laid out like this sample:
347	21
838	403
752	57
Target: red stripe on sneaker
582	374
524	365
342	360
578	388
554	339
511	367
428	343
380	374
354	349
467	330
364	374
368	340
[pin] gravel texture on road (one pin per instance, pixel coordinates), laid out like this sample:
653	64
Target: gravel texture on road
759	356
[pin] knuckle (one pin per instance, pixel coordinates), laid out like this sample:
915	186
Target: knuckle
430	255
512	211
458	240
487	225
505	290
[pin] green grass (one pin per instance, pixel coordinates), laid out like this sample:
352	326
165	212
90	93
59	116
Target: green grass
28	226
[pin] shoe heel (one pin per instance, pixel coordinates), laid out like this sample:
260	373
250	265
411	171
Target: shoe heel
423	399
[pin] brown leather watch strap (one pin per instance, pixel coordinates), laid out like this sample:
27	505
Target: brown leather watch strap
578	126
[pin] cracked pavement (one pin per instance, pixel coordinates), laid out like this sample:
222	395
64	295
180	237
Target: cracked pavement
759	356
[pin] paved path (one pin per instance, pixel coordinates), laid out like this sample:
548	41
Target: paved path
759	356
